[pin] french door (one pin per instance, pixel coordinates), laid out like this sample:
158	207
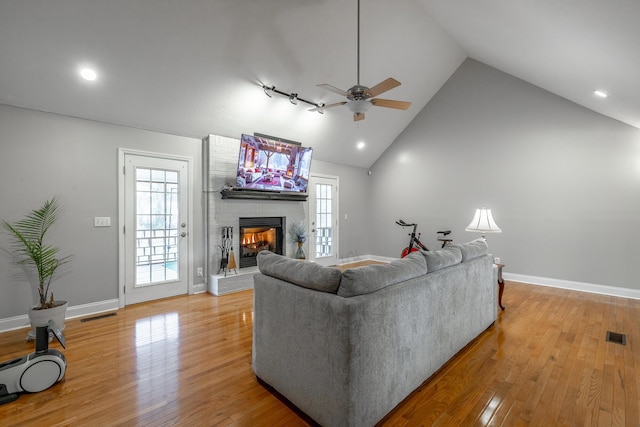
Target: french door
155	232
323	219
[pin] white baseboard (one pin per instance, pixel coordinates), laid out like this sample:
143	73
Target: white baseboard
92	308
19	322
613	291
199	288
11	323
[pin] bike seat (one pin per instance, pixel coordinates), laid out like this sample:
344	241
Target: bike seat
444	233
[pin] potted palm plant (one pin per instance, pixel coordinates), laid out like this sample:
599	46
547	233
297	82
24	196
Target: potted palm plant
32	251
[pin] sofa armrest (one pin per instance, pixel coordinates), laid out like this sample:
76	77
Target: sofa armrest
300	345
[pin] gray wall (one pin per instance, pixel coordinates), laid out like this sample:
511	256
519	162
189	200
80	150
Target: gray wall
562	181
42	155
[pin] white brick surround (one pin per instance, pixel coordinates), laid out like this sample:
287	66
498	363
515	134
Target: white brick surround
220	171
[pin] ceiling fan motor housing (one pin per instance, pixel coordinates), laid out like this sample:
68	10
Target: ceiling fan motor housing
358	93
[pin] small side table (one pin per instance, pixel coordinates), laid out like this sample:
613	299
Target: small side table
500	285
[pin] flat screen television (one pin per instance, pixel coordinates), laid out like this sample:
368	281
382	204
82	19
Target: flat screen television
266	164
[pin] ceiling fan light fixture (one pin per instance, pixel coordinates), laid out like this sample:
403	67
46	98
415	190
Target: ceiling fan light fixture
359	107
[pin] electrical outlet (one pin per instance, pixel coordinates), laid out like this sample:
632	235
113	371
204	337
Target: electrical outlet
199	271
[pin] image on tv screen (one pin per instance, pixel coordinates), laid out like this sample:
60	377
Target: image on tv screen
272	165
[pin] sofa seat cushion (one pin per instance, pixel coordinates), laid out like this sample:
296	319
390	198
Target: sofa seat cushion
370	278
302	273
442	258
473	249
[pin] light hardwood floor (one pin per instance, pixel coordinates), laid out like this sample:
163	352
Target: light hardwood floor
187	361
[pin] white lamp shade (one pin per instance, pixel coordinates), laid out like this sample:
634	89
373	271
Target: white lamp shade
483	222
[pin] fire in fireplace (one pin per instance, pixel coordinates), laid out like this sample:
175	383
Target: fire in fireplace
260	234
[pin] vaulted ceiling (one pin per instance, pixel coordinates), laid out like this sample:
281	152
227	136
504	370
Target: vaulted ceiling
194	67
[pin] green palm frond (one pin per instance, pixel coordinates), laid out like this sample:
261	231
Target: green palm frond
28	243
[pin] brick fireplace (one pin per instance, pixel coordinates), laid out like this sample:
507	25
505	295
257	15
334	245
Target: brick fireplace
220	168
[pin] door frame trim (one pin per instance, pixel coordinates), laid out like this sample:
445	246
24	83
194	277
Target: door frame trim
337	178
122	152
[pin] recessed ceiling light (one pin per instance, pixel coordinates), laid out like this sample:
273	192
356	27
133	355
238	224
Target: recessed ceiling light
360	145
600	93
88	74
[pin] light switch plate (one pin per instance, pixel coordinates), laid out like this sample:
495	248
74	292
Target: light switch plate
102	221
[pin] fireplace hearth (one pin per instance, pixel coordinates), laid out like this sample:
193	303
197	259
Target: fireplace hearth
259	234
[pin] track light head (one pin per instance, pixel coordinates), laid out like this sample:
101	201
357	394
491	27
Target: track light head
268	90
293	97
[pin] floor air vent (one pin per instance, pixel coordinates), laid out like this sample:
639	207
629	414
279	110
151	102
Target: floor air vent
102	316
616	338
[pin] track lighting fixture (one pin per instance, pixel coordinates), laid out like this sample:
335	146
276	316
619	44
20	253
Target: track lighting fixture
293	98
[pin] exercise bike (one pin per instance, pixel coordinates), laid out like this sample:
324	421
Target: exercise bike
414	239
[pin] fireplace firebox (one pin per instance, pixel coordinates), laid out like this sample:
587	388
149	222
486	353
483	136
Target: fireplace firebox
259	234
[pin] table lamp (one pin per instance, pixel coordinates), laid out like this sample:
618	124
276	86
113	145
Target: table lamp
483	223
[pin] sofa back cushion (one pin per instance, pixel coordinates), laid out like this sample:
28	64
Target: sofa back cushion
302	273
442	258
473	249
370	278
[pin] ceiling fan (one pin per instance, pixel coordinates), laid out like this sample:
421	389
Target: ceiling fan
361	98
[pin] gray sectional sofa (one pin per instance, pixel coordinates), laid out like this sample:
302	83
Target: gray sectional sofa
347	347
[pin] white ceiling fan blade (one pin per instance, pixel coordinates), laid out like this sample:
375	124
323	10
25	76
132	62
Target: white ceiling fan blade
324	107
390	103
333	89
382	87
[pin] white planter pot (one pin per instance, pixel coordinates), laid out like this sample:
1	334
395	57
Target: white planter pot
42	317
